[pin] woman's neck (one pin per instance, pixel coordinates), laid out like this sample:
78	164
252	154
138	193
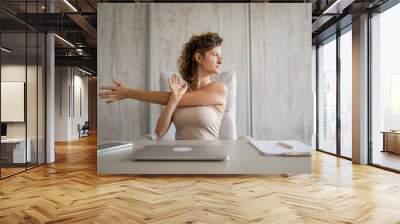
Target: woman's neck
203	79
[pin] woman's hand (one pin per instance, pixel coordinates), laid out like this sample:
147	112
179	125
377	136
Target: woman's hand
178	88
116	92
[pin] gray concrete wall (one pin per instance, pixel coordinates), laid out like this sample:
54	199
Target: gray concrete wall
121	55
138	41
282	102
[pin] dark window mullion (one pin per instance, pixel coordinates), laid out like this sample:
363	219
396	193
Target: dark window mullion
37	90
0	96
338	91
369	90
26	86
317	96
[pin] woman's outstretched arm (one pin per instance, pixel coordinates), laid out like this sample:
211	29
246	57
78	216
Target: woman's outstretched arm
213	94
120	91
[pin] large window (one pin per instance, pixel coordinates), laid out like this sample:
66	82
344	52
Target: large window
385	88
333	137
346	92
327	96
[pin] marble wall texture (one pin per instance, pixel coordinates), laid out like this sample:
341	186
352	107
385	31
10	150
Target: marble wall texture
267	45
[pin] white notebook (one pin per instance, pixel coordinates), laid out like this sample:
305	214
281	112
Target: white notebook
281	148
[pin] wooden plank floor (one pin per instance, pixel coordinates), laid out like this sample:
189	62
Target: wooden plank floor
70	191
10	171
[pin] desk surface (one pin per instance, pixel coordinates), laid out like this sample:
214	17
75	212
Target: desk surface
13	140
391	132
243	159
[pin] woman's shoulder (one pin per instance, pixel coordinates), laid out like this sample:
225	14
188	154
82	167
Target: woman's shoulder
218	86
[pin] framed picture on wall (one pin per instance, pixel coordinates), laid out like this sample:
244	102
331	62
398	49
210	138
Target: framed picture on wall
12	101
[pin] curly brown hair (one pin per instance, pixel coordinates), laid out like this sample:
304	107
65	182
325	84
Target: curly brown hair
187	64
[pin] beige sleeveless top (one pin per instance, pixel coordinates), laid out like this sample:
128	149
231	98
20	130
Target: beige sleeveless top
200	123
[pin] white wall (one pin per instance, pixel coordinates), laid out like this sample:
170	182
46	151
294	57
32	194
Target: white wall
80	83
61	103
67	80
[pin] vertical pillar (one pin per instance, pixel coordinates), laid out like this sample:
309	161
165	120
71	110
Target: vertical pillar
360	90
50	93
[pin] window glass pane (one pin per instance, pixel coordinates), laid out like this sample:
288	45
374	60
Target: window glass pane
327	96
386	89
346	93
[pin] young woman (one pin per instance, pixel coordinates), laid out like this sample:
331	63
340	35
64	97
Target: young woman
196	107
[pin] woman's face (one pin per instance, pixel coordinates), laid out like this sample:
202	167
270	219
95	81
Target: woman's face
211	61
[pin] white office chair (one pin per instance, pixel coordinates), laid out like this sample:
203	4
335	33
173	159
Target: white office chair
227	130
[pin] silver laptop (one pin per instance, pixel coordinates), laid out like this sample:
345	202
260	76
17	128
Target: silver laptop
181	153
114	146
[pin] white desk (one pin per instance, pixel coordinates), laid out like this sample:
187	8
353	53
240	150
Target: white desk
18	149
243	159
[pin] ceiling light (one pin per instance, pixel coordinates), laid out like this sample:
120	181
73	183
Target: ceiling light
5	50
86	72
65	41
70	5
336	7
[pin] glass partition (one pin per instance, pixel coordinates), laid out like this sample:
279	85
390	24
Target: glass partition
14	153
327	95
22	79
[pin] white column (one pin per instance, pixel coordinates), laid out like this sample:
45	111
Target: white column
50	93
50	107
360	90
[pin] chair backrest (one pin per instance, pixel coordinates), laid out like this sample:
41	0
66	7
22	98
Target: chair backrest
86	124
227	130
